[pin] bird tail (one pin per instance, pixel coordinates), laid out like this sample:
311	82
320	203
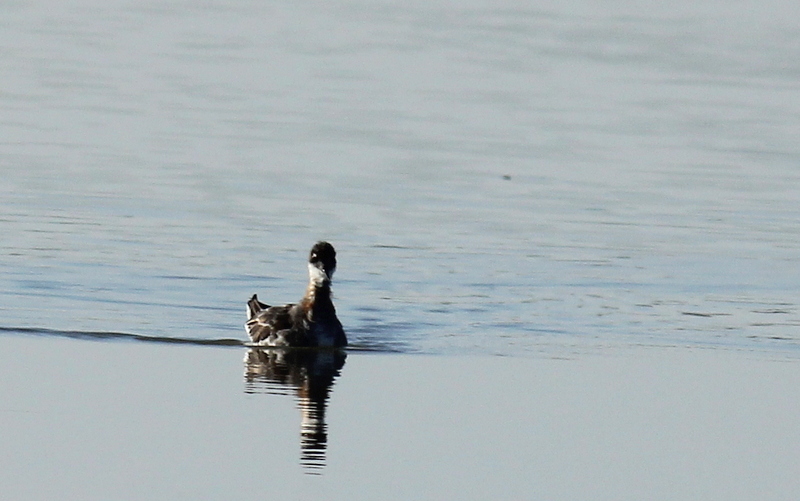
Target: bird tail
254	306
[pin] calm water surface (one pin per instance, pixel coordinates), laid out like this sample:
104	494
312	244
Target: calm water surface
136	421
534	181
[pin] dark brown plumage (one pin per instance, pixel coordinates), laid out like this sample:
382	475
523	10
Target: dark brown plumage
312	321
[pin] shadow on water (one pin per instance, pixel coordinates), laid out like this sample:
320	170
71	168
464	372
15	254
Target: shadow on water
309	374
306	374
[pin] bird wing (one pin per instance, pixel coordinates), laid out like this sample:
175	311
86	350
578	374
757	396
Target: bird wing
268	322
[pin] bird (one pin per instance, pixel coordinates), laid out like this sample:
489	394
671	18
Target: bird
312	322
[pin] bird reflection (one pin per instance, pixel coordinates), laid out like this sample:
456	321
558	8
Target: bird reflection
309	374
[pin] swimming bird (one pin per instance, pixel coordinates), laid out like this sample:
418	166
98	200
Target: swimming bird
312	321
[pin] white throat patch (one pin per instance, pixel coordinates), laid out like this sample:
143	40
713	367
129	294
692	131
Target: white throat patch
318	277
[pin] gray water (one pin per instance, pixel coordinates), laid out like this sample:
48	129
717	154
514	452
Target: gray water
534	181
496	178
161	163
98	421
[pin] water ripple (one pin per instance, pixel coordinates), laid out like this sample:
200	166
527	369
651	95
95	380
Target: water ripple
112	336
357	345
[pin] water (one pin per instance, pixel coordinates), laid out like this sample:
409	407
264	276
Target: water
551	180
129	421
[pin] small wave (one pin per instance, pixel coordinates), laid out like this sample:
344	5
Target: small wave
358	345
110	336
